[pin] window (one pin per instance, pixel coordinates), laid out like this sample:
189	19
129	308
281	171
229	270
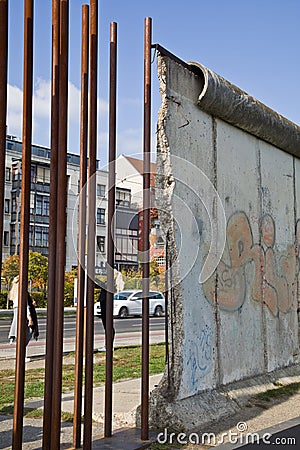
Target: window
101	243
39	205
101	190
7	174
47	175
6	238
6	206
123	197
33	174
32	208
155	296
46	206
43	175
45	238
13	235
15	173
100	216
160	261
30	235
14	202
38	236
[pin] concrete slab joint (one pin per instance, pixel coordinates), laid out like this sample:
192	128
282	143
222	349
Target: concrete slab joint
237	329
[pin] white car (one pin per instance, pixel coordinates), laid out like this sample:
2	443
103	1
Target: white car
129	303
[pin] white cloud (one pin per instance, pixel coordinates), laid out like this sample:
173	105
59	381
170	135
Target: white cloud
41	99
42	111
14	110
130	140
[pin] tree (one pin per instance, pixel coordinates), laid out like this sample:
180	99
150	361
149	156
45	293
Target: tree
69	286
10	269
154	272
38	270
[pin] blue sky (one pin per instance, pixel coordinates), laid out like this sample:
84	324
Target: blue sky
253	44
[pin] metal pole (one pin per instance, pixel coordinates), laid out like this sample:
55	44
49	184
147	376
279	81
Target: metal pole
24	232
92	162
167	307
146	229
81	228
111	229
52	226
3	106
61	225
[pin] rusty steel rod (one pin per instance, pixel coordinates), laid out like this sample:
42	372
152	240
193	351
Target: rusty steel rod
52	226
146	230
111	229
92	163
167	354
24	231
3	107
61	225
81	228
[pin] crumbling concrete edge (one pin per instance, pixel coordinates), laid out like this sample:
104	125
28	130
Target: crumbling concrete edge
203	410
169	385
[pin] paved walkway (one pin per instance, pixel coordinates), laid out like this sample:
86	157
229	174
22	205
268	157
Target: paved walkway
126	398
257	415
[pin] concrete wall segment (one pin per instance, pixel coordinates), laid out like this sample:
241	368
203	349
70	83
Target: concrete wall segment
242	322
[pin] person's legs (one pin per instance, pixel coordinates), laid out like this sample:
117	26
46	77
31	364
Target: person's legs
12	335
103	318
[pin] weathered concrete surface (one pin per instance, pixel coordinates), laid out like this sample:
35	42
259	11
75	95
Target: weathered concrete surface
242	321
222	99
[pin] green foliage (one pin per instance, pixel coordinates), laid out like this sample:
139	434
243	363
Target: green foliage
69	287
38	270
133	279
3	300
10	268
40	299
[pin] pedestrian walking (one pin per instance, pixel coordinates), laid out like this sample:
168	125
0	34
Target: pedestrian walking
102	299
32	329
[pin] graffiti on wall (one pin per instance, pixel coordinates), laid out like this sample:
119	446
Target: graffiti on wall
200	351
274	274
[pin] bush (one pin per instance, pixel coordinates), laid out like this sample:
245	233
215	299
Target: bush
40	299
3	300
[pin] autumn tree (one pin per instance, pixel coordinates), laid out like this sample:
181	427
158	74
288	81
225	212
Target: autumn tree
69	286
10	269
38	270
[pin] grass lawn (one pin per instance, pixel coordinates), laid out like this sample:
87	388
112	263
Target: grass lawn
127	364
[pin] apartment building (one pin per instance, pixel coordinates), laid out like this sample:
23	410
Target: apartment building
128	218
40	200
130	176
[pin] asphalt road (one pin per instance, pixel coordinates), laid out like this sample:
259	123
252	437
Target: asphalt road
122	326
